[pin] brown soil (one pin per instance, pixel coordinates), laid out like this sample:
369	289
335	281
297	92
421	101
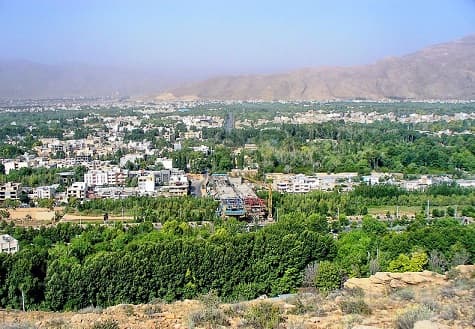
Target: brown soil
451	303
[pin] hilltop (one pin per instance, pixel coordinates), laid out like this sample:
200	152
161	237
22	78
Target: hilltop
385	300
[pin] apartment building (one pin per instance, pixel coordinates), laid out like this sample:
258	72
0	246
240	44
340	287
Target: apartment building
96	178
178	185
146	183
8	244
10	191
14	165
112	177
44	192
77	190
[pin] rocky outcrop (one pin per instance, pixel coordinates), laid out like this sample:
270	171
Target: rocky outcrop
382	282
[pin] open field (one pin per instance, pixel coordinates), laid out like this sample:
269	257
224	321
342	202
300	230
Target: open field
32	216
93	219
403	210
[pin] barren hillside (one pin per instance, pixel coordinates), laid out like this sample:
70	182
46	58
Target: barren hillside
385	300
444	71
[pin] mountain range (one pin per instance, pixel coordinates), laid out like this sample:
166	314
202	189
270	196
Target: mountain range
443	71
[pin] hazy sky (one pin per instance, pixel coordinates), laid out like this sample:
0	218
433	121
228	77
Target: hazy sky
226	36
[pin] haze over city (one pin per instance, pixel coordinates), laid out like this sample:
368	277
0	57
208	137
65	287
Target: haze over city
246	164
207	38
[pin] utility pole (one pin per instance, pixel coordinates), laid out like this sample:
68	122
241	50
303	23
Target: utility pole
397	212
428	209
23	300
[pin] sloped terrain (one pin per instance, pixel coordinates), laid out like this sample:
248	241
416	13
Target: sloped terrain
385	300
444	71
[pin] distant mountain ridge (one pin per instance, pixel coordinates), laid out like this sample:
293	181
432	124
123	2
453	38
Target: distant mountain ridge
443	71
21	79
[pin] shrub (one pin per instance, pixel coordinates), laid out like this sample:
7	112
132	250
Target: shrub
328	276
462	284
195	318
430	304
307	305
453	274
210	314
236	309
437	261
406	294
355	292
246	291
157	301
354	306
128	310
353	320
449	313
263	316
18	326
403	263
56	324
447	292
407	319
90	309
106	324
309	274
152	309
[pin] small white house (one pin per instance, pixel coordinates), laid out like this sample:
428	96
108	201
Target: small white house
8	244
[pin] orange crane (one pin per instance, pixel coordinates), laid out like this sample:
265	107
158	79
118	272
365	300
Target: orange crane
269	194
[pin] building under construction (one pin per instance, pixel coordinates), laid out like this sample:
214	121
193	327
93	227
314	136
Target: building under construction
237	199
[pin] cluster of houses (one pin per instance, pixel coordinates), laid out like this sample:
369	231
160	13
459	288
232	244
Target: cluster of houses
300	183
103	180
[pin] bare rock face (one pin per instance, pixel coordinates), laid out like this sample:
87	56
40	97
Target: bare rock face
381	282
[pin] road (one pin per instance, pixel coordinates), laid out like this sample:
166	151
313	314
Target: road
195	188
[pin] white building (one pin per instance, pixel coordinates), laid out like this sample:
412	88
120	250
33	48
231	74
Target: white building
113	177
466	182
14	165
8	244
146	183
96	178
130	158
10	191
77	190
44	192
166	163
178	185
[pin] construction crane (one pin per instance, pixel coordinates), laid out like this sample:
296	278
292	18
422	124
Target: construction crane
268	187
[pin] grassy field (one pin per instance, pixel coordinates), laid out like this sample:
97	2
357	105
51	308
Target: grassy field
403	210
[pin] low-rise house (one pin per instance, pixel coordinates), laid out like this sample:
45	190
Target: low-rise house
8	244
466	182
